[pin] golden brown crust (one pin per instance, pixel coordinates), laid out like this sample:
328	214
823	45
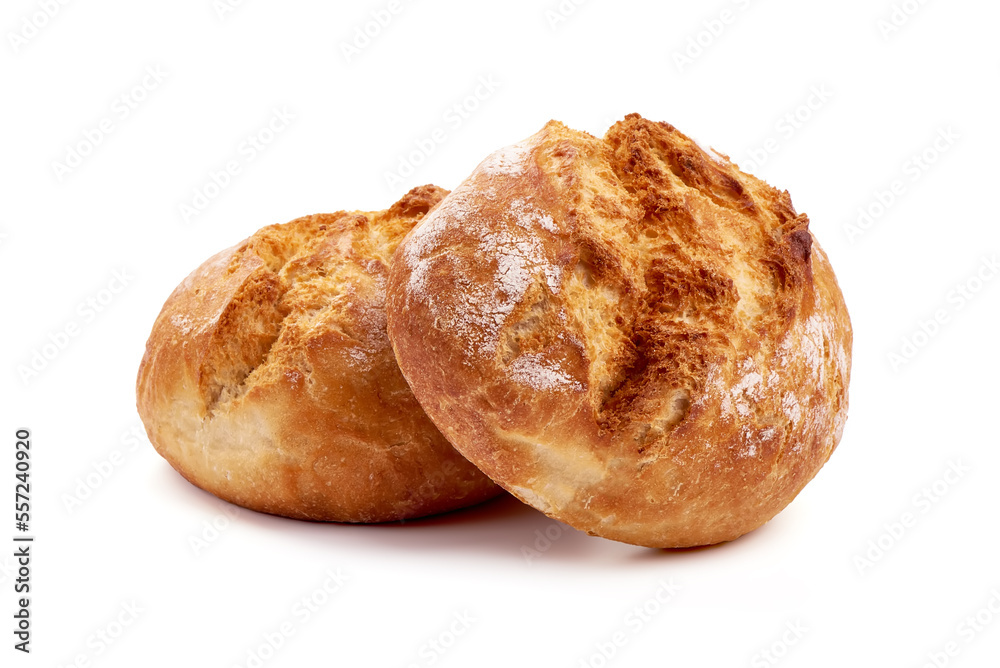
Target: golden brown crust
630	334
269	380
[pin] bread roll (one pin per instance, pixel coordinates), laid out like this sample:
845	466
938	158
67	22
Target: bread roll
629	334
268	379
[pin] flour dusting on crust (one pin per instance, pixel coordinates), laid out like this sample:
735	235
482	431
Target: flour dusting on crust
529	216
182	323
482	309
541	374
508	161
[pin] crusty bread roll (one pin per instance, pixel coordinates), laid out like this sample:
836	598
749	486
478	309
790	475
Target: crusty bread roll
268	379
629	334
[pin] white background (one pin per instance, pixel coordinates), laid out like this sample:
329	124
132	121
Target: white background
886	98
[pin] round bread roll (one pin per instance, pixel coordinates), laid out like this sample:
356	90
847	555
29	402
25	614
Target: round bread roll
269	381
629	334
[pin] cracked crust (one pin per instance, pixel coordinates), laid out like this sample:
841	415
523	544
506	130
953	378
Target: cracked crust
630	334
268	379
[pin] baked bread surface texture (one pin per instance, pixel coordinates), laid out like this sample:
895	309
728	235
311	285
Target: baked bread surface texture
269	381
629	334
